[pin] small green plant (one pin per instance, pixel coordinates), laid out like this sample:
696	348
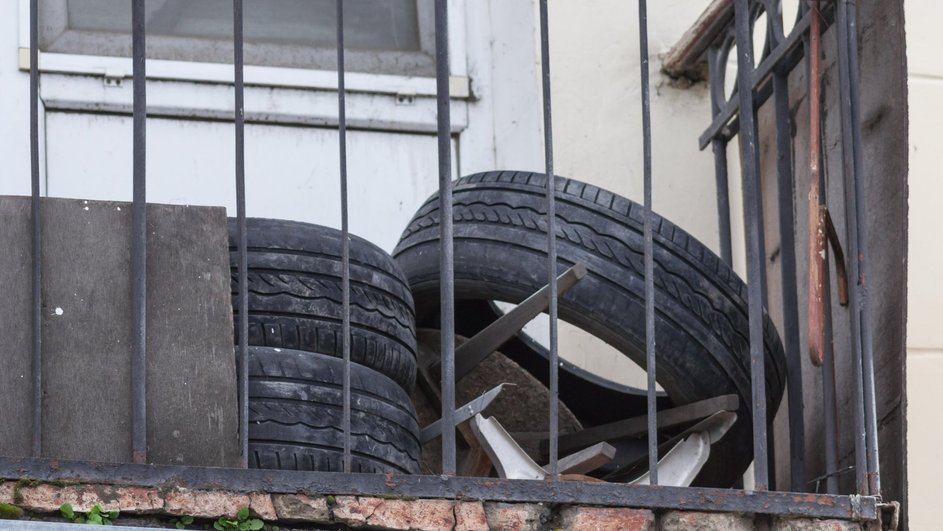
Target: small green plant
183	522
10	512
241	523
97	516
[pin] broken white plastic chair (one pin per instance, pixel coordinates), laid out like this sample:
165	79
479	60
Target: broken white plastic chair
677	468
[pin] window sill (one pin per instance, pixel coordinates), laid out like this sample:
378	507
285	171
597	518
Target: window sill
273	95
263	76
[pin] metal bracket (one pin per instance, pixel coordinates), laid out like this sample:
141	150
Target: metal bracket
637	426
469	354
713	427
462	414
679	466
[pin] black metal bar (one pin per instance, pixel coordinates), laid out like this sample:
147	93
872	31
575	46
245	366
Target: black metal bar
551	238
241	224
847	111
719	147
863	251
650	360
754	221
446	264
787	55
139	242
471	353
862	508
717	65
790	300
345	230
829	399
36	217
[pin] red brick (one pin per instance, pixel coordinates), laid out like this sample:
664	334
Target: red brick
470	516
400	515
6	492
260	503
425	515
301	508
697	521
138	500
48	498
605	519
810	524
204	504
354	511
515	516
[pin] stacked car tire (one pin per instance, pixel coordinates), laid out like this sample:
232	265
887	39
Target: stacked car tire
295	316
295	302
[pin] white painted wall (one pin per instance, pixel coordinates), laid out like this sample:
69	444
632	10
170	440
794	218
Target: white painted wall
925	261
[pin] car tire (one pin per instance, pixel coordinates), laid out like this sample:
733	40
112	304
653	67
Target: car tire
295	296
701	322
295	415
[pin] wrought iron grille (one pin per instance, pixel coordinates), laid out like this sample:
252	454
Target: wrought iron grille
734	116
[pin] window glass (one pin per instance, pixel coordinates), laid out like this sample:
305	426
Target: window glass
369	24
382	36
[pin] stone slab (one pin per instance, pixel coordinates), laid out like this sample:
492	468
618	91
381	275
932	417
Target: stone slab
191	379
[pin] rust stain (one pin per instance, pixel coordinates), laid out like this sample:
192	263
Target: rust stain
824	501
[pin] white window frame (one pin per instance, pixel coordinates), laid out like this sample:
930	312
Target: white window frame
294	96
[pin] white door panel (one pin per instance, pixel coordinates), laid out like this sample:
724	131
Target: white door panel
291	172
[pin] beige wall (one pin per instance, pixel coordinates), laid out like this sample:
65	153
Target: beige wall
925	293
597	126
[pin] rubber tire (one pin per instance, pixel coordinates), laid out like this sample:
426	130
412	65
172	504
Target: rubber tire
580	390
295	296
295	415
701	321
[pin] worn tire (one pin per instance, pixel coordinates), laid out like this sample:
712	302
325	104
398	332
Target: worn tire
701	320
295	296
295	415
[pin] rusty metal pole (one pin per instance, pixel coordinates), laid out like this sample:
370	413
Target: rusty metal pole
817	233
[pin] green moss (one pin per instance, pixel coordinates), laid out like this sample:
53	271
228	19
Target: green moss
10	512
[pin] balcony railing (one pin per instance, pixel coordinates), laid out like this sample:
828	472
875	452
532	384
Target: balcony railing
732	24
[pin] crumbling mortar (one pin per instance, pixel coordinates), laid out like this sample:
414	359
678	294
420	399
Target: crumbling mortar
375	507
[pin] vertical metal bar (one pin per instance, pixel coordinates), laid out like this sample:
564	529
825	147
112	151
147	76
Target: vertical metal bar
241	224
719	147
830	403
139	241
819	172
847	112
345	229
446	254
551	238
862	255
817	244
650	361
753	219
790	302
36	216
716	64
